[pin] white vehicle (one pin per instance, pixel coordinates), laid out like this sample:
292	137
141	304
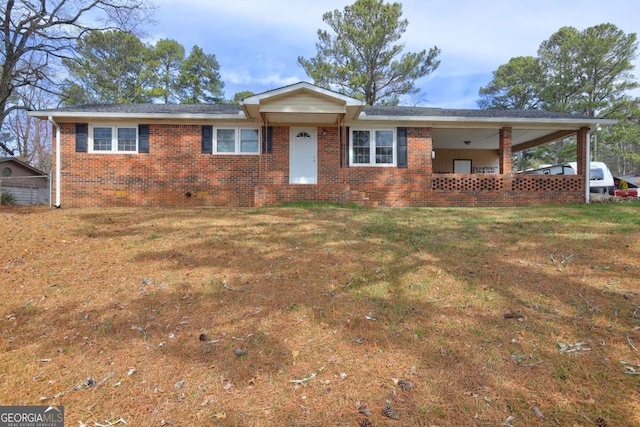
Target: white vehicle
600	177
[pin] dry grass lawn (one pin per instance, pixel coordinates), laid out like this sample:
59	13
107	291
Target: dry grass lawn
301	315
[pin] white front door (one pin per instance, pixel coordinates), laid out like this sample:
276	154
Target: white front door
303	154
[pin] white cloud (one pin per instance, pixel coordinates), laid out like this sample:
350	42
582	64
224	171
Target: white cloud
249	79
490	33
280	18
257	42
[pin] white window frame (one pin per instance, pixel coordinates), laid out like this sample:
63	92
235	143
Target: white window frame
237	142
114	138
372	147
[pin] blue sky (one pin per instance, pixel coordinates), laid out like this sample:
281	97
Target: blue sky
257	42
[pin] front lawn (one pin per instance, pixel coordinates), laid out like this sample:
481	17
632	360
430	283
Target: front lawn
314	315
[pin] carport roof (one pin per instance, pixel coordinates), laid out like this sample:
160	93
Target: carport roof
470	113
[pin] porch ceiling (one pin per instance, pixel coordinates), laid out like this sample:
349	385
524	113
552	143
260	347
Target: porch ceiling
488	139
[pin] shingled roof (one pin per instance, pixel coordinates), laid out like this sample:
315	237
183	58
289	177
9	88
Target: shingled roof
397	111
170	109
235	109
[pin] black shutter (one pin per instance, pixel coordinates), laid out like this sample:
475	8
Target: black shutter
267	139
207	140
402	148
344	148
82	137
143	138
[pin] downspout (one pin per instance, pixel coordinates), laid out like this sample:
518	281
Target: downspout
50	187
58	168
587	168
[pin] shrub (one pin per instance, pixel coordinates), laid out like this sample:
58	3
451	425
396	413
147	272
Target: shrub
6	198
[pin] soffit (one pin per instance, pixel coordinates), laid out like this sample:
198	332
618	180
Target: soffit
486	139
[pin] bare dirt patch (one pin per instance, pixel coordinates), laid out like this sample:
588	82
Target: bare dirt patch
323	316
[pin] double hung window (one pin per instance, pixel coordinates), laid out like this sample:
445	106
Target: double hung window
373	147
113	139
236	141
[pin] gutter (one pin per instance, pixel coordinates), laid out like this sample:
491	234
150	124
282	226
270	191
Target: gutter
58	157
440	121
138	116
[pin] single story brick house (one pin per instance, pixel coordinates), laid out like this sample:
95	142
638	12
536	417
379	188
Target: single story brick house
305	143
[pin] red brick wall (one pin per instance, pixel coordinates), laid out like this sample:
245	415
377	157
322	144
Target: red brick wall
582	151
505	150
391	186
175	166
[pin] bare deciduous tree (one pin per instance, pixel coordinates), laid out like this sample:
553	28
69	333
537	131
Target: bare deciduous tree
36	35
30	136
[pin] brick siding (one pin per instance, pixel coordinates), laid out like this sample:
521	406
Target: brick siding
175	173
